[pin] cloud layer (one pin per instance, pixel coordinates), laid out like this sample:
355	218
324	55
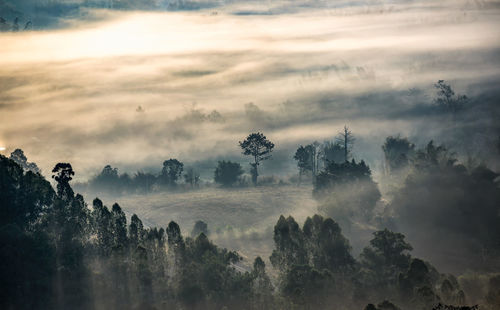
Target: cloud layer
74	94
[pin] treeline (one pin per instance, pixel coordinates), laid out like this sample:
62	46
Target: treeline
57	253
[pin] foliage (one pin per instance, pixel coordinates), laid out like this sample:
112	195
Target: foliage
260	148
305	159
227	173
397	153
346	191
446	98
171	172
444	201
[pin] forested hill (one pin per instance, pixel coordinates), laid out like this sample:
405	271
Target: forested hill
59	253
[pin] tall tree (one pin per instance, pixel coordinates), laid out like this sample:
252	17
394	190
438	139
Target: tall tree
446	98
305	159
63	173
259	147
397	153
172	170
346	138
19	157
192	177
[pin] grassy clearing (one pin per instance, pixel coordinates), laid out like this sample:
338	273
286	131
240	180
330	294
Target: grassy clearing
241	219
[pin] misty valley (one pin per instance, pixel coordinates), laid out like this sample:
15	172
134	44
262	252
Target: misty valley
250	154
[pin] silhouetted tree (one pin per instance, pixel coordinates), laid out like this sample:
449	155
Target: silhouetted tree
328	248
198	228
19	157
385	258
144	181
346	191
289	245
259	147
227	173
397	153
63	173
172	170
192	177
332	152
446	98
346	139
305	159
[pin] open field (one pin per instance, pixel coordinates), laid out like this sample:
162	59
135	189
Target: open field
240	219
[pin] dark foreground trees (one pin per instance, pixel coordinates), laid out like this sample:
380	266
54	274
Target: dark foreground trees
59	254
317	270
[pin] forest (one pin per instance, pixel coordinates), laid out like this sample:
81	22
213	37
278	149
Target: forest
250	154
61	252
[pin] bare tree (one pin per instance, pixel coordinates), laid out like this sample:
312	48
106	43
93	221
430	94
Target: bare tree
346	138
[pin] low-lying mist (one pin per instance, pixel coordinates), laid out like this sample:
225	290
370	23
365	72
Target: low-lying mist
135	88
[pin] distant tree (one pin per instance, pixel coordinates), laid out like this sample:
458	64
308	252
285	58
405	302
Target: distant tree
172	170
433	157
227	173
346	139
19	157
259	147
347	191
397	152
333	152
199	227
192	177
144	181
62	174
305	159
446	98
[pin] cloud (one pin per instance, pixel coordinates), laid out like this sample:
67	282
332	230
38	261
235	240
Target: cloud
72	94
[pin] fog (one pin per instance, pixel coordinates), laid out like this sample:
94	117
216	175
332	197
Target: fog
73	94
132	84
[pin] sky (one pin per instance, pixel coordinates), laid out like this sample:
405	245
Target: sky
134	88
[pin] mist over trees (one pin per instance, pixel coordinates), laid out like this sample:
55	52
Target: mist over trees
61	253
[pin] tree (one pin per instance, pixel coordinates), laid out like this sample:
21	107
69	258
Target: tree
446	98
328	248
397	153
289	245
172	170
346	191
346	139
144	181
63	173
227	173
259	147
192	177
19	157
305	159
199	227
386	257
332	152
